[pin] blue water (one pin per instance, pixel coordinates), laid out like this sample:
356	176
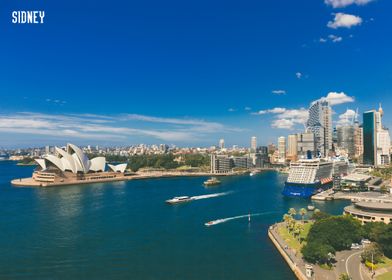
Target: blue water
124	230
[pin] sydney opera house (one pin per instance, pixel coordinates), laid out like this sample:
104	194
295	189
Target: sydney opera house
72	166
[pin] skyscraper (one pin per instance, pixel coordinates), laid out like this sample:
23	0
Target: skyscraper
320	123
376	139
292	147
253	144
222	143
281	149
345	139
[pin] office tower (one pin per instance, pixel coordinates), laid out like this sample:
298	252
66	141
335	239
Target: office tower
376	139
358	139
292	147
281	149
320	123
222	143
345	139
306	145
47	150
253	144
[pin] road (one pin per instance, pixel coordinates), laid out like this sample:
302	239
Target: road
350	262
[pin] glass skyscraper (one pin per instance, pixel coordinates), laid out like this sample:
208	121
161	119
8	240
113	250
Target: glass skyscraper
369	137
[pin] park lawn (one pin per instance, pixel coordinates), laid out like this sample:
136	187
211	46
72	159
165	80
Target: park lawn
292	242
385	276
385	263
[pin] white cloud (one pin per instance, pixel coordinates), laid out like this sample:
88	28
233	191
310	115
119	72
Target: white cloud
279	92
247	108
286	118
117	127
323	40
345	3
336	98
347	117
298	75
231	110
344	20
334	38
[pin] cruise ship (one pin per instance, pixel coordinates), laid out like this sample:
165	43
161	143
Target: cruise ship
310	176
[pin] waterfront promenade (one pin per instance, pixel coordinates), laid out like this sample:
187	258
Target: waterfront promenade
347	261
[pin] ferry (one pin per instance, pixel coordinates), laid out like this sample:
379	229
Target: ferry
179	199
212	182
311	176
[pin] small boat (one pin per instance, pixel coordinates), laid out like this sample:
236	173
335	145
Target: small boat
253	173
212	182
311	207
215	222
249	217
179	199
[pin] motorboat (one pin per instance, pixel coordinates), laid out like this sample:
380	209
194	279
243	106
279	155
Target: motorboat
179	199
212	182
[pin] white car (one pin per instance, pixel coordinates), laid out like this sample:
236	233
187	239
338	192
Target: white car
355	246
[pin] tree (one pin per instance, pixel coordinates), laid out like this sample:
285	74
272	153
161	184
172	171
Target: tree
318	215
344	276
316	252
372	253
372	231
292	212
385	241
286	219
302	212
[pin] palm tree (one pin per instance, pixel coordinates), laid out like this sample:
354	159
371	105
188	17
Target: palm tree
302	212
292	212
286	219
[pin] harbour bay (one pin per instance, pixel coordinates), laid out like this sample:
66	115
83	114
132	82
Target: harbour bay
125	230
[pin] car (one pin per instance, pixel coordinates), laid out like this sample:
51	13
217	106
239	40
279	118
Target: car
365	241
355	246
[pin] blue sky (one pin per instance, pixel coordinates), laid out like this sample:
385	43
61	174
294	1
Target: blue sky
187	72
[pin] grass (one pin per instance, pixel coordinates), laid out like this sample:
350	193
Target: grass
326	266
385	276
385	262
291	241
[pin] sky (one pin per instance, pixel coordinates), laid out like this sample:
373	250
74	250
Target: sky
188	73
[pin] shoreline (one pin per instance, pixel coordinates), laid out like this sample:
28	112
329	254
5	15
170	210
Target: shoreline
30	182
285	255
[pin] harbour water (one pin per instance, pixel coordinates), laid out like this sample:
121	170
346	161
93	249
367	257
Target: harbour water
124	230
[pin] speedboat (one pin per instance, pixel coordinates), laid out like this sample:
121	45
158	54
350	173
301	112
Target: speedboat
212	182
179	199
215	222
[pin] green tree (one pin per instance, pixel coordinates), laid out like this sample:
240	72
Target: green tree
339	232
302	212
316	252
318	215
385	241
372	253
292	212
373	230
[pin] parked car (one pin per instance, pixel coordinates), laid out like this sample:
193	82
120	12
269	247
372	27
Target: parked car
355	246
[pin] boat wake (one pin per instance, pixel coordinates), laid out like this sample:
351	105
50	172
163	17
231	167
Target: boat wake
209	195
220	221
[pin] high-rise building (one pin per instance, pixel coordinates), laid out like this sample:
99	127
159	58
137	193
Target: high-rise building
358	139
253	144
306	145
376	139
292	147
222	143
282	149
345	139
369	137
320	123
47	150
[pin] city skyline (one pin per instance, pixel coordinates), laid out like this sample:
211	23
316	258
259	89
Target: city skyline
233	77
